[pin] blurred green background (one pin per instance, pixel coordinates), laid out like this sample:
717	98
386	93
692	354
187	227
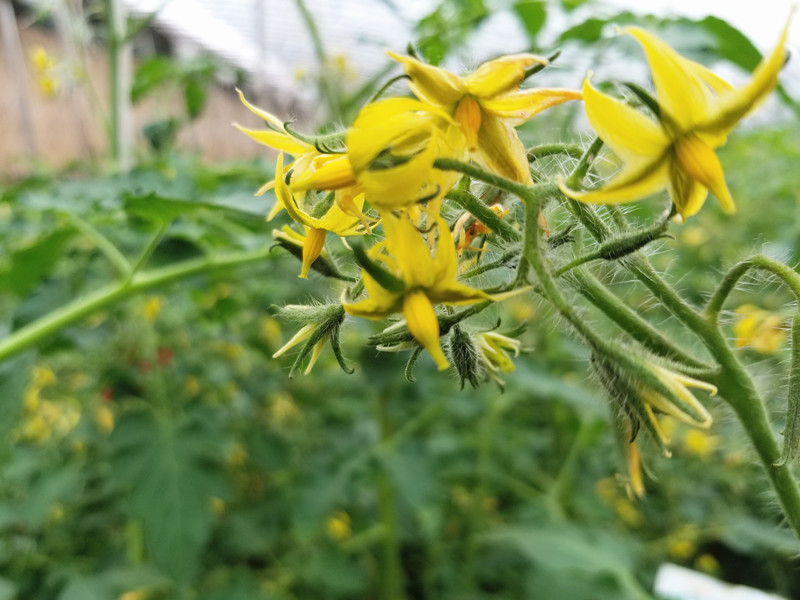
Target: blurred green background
157	451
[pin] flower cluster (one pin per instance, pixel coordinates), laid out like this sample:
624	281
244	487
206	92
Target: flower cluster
383	179
380	173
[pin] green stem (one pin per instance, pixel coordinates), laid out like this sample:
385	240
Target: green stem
103	244
732	277
484	214
148	250
534	193
736	386
630	321
485	267
80	308
543	150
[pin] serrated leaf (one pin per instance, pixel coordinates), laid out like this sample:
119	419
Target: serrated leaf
532	14
171	474
154	206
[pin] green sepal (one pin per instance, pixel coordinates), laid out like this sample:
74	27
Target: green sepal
619	387
327	328
384	278
412	362
322	264
629	243
464	355
540	67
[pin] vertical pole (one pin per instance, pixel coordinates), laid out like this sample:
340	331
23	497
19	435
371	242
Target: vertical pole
120	63
12	48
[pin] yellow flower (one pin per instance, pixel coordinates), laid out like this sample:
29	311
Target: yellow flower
334	220
152	307
425	280
696	112
760	329
494	349
390	153
669	393
488	104
338	526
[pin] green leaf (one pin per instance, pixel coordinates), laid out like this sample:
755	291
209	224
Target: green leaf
732	44
532	14
171	473
155	207
195	95
161	134
33	264
86	587
569	548
152	74
589	31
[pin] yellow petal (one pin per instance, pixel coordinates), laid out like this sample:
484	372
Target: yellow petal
468	116
501	74
634	182
501	151
277	140
700	162
424	325
627	131
312	248
687	194
517	107
315	352
734	105
333	173
406	244
683	95
302	335
379	303
271	119
431	84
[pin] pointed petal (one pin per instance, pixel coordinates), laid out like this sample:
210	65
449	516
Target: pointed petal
630	184
734	105
687	194
501	74
456	293
517	107
315	352
277	140
627	131
501	151
271	119
379	303
700	162
406	244
424	325
312	248
468	116
681	93
303	334
431	84
334	172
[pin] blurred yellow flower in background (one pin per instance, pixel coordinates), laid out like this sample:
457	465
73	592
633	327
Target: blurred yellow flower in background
762	330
